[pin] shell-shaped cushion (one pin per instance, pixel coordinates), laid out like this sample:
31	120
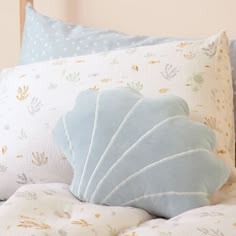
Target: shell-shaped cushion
130	150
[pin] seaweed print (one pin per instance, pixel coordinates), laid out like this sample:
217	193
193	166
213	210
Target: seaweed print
211	122
210	232
27	195
33	224
35	106
81	222
137	86
135	68
23	179
189	55
39	159
210	50
211	214
64	214
73	77
112	230
22	135
22	93
4	149
169	72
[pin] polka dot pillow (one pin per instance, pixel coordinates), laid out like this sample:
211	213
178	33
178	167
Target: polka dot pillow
46	38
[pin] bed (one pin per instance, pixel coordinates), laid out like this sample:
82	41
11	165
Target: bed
41	193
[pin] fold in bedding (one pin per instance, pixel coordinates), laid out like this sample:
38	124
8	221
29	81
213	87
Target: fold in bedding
50	209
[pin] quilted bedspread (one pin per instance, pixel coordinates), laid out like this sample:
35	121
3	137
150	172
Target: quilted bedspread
51	210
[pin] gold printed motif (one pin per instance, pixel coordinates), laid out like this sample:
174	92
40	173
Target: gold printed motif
135	68
4	149
33	224
184	44
163	90
22	93
39	159
81	222
153	62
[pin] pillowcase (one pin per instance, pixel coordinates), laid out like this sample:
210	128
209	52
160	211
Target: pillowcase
53	39
33	97
128	150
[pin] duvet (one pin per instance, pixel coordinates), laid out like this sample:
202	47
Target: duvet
51	210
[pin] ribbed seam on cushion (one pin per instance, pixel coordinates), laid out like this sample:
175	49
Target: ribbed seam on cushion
90	146
129	150
111	142
179	155
68	137
163	194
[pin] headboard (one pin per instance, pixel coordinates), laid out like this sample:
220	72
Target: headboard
181	18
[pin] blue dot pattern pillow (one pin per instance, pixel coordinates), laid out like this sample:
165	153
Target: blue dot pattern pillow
129	150
46	38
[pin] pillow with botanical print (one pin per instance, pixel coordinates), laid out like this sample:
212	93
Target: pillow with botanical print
33	97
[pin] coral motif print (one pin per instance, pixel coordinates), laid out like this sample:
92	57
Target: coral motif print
81	222
23	179
138	86
210	232
135	68
35	106
184	44
163	90
105	81
39	159
112	230
4	149
221	151
153	62
210	50
33	224
26	195
196	82
73	77
189	55
211	122
64	214
22	135
169	72
95	88
22	93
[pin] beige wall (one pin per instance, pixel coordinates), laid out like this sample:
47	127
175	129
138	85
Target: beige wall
182	18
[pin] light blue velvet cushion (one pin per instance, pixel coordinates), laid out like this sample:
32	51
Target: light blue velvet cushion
127	150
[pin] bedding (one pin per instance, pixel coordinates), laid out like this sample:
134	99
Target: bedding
34	97
39	94
50	209
124	151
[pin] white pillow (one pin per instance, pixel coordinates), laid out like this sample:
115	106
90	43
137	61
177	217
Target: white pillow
33	98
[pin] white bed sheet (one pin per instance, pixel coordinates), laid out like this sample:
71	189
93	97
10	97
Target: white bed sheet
51	210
